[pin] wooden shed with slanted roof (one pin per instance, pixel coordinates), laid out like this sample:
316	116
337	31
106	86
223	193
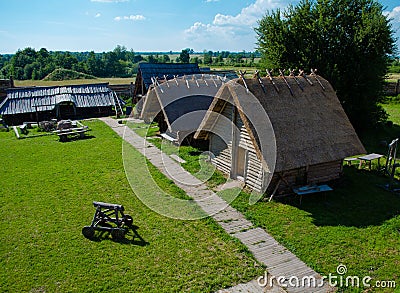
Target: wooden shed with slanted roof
311	130
24	104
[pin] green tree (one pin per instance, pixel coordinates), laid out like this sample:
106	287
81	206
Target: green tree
166	59
20	60
152	59
195	60
348	41
113	66
121	52
95	65
207	57
184	56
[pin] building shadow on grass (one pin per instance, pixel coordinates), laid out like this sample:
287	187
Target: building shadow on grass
76	138
358	200
132	237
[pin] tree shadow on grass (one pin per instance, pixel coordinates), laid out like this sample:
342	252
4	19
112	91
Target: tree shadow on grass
132	237
358	200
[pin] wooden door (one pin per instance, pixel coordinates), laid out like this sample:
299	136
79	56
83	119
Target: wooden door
241	163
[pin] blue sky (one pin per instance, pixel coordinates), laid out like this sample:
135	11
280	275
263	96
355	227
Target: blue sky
151	25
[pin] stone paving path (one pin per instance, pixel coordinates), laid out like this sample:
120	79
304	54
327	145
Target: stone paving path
278	260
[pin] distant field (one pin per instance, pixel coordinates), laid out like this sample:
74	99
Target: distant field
250	71
22	83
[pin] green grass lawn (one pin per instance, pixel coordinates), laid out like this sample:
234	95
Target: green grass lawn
47	193
358	225
393	109
195	157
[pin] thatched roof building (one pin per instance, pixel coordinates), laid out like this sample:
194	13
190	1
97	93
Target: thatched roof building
304	117
43	103
179	105
147	71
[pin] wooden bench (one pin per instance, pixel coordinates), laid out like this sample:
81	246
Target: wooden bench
350	161
309	189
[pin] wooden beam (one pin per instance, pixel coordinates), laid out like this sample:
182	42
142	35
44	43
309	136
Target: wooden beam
287	83
257	75
272	80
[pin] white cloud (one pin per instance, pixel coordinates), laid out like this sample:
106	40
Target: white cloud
249	15
228	30
109	1
394	14
208	1
97	15
137	17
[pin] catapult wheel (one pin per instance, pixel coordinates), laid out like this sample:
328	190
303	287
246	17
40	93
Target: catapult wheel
117	233
128	220
88	231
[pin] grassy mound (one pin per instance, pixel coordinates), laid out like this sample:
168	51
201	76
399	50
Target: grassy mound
67	74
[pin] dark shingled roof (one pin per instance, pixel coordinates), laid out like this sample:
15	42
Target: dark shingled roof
37	99
149	70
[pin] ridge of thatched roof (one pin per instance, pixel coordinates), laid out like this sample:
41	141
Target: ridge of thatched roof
309	122
36	99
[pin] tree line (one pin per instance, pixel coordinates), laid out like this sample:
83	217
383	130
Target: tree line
30	64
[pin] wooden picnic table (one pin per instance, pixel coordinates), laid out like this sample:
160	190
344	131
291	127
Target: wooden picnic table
369	158
64	133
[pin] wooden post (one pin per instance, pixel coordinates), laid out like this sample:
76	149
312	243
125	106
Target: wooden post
303	74
295	78
272	80
176	80
275	190
241	73
166	80
314	73
257	75
287	83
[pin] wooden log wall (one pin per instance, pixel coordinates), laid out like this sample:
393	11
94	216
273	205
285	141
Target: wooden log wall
222	150
125	90
254	176
392	88
324	172
315	174
254	171
4	85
